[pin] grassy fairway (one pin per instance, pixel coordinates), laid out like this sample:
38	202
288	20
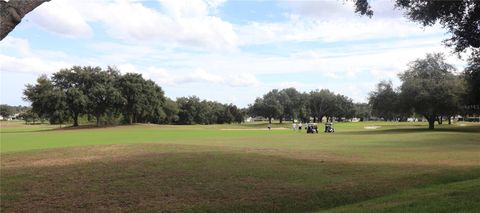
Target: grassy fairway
398	167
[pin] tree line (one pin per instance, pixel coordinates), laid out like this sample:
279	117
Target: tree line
430	88
290	104
110	97
7	111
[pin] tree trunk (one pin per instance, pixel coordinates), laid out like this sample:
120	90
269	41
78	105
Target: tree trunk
281	119
97	117
449	120
431	122
440	120
314	119
12	12
269	120
75	119
130	119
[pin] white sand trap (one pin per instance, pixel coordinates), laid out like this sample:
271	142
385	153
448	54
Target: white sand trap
372	127
462	124
279	128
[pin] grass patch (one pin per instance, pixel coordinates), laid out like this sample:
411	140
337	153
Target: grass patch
178	178
461	196
398	167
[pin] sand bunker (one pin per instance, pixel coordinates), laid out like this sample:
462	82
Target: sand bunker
279	128
372	127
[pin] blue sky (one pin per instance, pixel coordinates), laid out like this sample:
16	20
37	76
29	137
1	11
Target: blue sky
223	50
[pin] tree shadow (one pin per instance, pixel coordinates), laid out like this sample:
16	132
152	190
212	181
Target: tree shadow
211	181
63	128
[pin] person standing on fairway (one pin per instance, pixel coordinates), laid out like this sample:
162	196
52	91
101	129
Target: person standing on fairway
300	126
294	126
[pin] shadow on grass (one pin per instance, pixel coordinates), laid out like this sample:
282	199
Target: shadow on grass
24	131
66	127
210	182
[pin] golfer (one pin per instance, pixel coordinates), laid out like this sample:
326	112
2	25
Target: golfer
294	126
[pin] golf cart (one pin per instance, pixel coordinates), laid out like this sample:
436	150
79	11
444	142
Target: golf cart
329	128
312	128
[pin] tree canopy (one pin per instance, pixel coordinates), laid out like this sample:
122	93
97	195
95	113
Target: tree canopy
108	95
384	101
461	18
192	110
289	104
429	88
472	77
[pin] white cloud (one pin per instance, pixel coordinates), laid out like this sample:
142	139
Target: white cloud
196	76
301	29
185	8
201	76
159	74
243	80
332	21
192	23
62	18
288	84
320	9
333	9
15	46
30	65
17	56
128	68
190	8
118	53
182	23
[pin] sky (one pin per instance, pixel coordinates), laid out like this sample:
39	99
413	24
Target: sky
230	51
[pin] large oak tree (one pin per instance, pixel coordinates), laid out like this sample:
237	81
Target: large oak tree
431	89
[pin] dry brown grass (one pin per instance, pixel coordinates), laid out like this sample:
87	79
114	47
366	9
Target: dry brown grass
154	177
74	155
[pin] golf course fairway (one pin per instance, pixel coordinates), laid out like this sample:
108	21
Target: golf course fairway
394	167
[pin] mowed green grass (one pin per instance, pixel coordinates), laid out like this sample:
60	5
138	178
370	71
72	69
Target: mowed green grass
399	167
